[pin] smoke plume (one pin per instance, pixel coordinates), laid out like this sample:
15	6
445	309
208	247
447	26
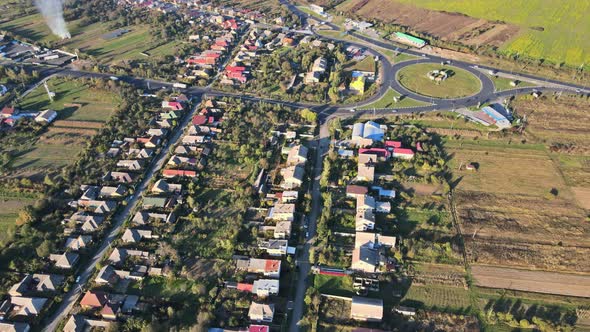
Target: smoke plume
52	11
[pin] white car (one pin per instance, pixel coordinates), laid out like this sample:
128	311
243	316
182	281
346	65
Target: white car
352	110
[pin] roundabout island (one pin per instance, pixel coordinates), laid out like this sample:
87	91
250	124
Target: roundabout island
438	81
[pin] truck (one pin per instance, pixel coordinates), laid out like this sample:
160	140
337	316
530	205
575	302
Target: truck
179	85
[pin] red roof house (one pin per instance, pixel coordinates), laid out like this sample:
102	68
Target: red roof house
93	299
170	173
245	287
238	69
403	153
7	112
393	144
258	328
199	120
175	105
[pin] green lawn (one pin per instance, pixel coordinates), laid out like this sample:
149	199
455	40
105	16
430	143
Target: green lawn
9	208
564	33
437	296
89	39
387	101
97	105
341	286
459	84
367	64
503	83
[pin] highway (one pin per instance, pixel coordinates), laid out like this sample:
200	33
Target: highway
70	298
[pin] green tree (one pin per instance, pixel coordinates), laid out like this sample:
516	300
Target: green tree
44	249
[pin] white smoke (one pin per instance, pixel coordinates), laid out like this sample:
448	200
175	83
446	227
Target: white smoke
52	11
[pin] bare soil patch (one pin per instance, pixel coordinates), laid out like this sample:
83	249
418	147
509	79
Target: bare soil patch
532	281
444	25
78	124
583	196
423	189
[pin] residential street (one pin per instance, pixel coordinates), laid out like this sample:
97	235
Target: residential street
322	143
70	298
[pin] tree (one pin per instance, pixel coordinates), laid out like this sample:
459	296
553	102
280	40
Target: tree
44	249
309	115
25	215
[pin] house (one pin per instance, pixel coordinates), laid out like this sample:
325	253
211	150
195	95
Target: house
133	235
289	196
366	168
364	220
393	144
405	311
154	202
383	207
292	177
378	152
37	283
199	120
161	187
297	155
365	259
64	261
179	160
366	239
149	142
368	132
77	243
170	173
266	287
130	304
8	111
144	217
108	191
109	311
24	306
402	153
158	132
173	105
319	65
107	275
119	255
260	312
46	116
274	247
268	267
254	328
357	84
282	211
112	153
366	309
15	327
282	230
354	191
193	139
140	153
385	193
92	223
409	39
93	300
79	323
343	153
120	177
312	77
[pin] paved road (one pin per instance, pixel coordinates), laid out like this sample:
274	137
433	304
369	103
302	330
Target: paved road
70	298
322	145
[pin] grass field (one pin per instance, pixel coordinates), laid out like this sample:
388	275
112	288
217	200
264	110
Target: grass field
439	297
503	83
89	39
387	101
95	105
81	112
341	286
9	208
565	27
460	84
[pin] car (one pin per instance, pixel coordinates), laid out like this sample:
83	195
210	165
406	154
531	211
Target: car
113	78
352	110
306	235
77	279
424	55
393	111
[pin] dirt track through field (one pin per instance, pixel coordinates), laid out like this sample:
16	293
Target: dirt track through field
532	281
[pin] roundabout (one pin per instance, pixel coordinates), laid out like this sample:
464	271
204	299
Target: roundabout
439	81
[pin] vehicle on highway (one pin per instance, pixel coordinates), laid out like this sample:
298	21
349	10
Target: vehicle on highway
113	78
393	111
77	279
179	85
352	110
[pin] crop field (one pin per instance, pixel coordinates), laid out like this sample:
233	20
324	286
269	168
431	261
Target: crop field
538	29
546	26
435	296
532	281
459	84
